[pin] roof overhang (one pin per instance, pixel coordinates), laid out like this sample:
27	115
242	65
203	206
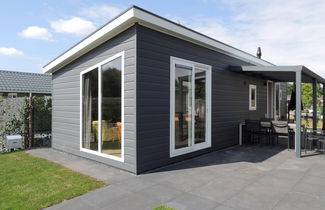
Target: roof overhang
280	73
138	15
25	91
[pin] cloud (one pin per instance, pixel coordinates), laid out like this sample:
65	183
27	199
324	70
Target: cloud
289	32
101	13
75	25
9	51
35	32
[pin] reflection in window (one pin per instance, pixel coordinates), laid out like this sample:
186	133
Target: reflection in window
111	107
252	97
200	105
90	110
183	106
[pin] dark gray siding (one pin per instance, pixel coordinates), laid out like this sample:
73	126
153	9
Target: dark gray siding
229	96
66	99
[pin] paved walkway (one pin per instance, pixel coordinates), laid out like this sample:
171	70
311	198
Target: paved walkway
248	177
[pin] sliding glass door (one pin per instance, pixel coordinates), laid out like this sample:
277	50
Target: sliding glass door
190	106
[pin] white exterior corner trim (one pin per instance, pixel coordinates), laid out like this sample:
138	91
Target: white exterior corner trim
138	15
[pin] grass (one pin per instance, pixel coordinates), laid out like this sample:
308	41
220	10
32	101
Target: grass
162	207
28	182
309	123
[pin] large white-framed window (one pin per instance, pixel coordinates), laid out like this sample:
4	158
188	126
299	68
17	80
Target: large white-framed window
102	108
190	106
252	97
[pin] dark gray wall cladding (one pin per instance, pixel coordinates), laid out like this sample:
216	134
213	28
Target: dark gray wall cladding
229	96
66	99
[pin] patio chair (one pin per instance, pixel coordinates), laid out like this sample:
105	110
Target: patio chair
254	129
314	137
310	139
321	141
266	124
280	129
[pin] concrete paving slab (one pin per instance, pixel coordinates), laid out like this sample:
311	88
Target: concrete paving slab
300	201
191	202
243	177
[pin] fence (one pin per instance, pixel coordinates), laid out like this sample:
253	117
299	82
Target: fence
30	118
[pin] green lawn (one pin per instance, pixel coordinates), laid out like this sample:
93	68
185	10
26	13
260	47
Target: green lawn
163	207
28	182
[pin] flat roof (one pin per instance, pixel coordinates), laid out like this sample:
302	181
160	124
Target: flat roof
143	17
280	73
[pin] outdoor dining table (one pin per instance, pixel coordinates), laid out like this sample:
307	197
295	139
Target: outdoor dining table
268	126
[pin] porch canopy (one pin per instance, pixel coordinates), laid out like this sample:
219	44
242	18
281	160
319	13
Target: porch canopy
298	74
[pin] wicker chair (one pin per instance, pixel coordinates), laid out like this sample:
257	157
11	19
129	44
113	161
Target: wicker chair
280	129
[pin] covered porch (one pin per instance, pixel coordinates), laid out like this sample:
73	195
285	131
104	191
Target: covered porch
298	75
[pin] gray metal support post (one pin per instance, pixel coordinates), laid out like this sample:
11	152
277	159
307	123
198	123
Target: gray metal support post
298	115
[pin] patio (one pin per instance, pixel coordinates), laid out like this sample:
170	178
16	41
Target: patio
297	74
242	177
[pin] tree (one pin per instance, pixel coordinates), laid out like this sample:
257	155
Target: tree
306	93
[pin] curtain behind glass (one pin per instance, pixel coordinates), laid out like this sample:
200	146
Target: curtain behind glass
90	110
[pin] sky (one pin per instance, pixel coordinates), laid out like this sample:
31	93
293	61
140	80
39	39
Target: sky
290	32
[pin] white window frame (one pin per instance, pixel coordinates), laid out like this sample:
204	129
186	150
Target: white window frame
12	95
271	114
193	147
280	95
98	66
252	87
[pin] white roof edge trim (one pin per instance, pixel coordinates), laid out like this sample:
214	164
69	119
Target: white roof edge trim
88	41
135	15
273	68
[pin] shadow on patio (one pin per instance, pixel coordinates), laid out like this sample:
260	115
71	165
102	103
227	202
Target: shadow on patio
237	154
